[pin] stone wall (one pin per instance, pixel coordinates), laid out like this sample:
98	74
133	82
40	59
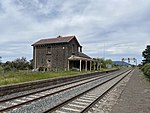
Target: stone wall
54	56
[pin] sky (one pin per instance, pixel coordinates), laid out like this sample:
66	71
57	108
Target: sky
110	29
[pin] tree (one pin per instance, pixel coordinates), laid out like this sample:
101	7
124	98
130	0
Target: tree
108	61
100	60
8	63
17	64
146	55
20	63
30	66
7	66
103	62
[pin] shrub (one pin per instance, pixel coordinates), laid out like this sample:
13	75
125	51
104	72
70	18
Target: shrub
1	69
148	73
146	69
7	68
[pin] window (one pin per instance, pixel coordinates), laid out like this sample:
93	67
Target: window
49	50
73	51
49	61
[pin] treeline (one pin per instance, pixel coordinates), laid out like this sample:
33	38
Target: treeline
146	62
17	64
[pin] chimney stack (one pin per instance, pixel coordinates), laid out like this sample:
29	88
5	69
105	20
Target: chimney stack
59	36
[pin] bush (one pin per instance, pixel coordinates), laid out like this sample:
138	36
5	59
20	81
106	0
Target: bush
7	68
148	73
146	69
1	69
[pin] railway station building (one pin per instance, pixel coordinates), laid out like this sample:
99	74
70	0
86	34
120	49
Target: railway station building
60	53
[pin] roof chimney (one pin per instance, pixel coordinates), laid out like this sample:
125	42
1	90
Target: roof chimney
59	36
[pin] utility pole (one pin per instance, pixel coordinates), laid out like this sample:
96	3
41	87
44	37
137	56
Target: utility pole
122	61
104	51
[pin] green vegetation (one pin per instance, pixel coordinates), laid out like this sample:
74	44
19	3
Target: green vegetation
146	55
103	62
17	64
146	70
146	62
19	70
26	76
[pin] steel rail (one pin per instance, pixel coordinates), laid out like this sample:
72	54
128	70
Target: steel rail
77	96
56	86
41	97
101	96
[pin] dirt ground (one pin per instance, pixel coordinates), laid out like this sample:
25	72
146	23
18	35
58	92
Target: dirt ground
136	96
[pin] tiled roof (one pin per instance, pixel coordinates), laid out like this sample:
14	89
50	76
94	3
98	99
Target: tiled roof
81	56
59	39
84	55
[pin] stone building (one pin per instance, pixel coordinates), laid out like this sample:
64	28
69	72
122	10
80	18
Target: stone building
61	53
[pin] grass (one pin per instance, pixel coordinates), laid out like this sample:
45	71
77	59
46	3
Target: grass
18	77
26	76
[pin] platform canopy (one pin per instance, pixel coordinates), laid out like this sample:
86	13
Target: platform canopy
73	57
82	62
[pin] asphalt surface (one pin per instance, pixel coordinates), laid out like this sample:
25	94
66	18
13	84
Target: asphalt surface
136	96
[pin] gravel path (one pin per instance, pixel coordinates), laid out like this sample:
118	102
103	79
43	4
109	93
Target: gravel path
136	96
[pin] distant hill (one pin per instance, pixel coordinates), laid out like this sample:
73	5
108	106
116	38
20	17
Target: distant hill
120	63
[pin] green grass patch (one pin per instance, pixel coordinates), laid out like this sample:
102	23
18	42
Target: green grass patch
18	77
26	76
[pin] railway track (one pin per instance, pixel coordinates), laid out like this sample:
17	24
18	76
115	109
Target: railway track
31	92
52	99
83	102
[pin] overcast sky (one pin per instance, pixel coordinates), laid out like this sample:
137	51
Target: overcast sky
111	29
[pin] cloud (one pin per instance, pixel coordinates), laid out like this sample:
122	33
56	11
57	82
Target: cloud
116	28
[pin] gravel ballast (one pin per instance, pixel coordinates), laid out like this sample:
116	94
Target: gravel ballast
52	101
